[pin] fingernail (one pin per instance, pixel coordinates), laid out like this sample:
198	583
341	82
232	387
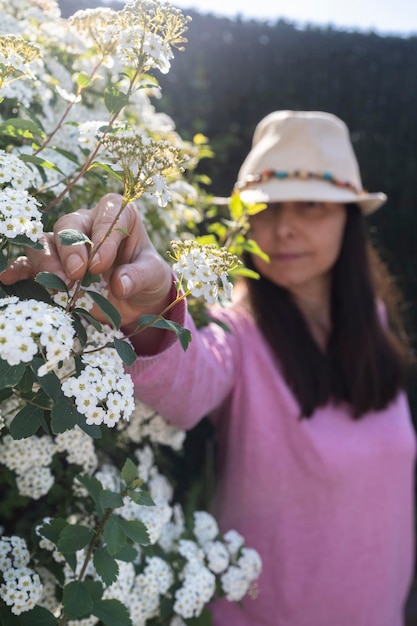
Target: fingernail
126	283
74	263
95	262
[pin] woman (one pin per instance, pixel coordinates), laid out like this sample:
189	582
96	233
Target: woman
316	447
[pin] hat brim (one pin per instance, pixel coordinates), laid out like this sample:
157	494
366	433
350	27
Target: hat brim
307	191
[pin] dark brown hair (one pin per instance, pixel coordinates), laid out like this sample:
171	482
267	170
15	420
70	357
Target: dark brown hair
365	361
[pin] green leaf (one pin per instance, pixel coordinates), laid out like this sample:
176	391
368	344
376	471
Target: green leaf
5	394
77	600
64	415
27	380
127	554
112	613
28	289
26	422
87	316
23	240
16	127
115	100
251	246
110	499
72	237
125	351
7	618
79	328
10	375
110	312
106	566
52	529
51	385
40	162
38	616
140	497
74	537
245	271
95	587
50	281
92	430
89	279
136	531
114	536
83	80
92	485
156	321
3	260
108	169
204	619
236	207
129	471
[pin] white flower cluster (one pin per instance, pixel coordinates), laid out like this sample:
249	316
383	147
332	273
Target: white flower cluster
21	588
79	448
15	172
202	266
16	55
103	391
149	586
29	328
19	214
136	47
237	580
29	459
237	566
147	425
143	161
198	585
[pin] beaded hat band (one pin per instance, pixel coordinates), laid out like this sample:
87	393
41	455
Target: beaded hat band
303	155
266	175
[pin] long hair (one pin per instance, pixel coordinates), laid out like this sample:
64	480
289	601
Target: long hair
365	361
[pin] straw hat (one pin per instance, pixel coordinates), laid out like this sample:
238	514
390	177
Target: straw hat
298	155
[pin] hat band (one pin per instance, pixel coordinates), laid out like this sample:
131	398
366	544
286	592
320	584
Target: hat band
298	174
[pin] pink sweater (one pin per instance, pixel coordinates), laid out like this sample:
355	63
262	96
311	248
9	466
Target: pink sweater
327	502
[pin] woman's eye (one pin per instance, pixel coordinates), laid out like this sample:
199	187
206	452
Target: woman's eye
312	205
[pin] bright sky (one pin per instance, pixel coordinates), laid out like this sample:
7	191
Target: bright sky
382	16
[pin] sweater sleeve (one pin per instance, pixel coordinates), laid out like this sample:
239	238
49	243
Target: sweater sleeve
184	386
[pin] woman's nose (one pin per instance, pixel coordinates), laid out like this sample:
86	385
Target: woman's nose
284	223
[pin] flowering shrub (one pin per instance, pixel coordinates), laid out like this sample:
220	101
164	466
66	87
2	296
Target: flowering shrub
91	532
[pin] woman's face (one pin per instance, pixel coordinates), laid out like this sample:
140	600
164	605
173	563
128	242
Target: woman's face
302	240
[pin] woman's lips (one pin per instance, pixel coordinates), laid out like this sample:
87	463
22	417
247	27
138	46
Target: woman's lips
286	256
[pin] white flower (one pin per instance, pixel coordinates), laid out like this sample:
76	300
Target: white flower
103	391
234	541
202	267
218	556
235	584
205	527
36	327
13	553
14	171
21	590
19	213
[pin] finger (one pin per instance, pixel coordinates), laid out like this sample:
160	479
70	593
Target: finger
74	258
19	269
26	267
118	236
146	282
105	233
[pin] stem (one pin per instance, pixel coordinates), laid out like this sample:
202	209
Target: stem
98	532
93	154
66	112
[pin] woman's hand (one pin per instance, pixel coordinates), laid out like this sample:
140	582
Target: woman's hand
139	279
